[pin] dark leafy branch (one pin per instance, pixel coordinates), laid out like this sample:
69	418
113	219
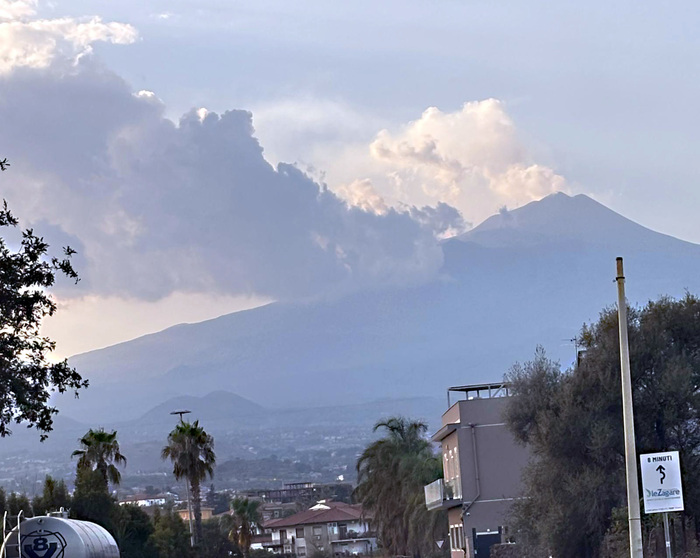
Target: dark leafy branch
27	378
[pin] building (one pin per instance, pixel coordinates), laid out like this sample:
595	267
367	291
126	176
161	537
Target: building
482	466
330	528
207	513
299	492
146	501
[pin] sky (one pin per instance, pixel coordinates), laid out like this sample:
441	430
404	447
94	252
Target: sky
214	155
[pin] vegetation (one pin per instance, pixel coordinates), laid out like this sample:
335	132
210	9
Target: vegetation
191	451
246	519
391	474
216	542
27	379
54	497
572	423
170	537
100	451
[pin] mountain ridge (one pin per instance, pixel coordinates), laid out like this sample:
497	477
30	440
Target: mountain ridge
525	277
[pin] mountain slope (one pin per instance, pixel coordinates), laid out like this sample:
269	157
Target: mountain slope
526	277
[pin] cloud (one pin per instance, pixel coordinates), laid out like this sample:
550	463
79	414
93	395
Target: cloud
39	43
159	207
362	194
472	159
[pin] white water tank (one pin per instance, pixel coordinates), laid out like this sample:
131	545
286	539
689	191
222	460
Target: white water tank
57	537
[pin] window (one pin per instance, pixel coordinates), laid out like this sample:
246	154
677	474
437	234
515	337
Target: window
301	551
300	532
317	530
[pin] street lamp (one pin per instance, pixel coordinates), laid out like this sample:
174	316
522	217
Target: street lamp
187	480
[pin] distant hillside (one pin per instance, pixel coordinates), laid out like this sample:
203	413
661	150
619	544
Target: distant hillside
213	406
529	276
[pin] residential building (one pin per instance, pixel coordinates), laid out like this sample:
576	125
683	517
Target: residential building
331	528
482	466
146	501
207	513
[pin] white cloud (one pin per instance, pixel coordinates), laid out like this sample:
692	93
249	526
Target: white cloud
39	43
472	158
11	10
362	194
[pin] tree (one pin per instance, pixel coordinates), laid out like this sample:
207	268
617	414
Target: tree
391	474
572	422
100	451
19	502
246	520
132	530
91	498
216	542
27	379
54	497
170	536
191	451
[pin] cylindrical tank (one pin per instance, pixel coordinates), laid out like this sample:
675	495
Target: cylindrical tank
56	537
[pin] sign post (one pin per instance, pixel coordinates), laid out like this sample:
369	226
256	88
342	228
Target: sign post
661	483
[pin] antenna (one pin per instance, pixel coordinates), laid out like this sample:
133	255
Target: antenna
180	413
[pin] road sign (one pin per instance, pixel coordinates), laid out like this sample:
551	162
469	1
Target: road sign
661	482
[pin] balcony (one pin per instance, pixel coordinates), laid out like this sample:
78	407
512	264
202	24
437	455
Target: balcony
443	494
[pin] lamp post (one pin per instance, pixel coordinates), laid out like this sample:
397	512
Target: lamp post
187	480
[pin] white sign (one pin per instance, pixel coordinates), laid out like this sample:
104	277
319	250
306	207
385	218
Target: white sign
661	482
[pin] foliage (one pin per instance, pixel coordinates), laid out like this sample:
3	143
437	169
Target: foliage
246	519
218	501
391	474
132	529
100	451
17	502
3	501
170	535
215	541
191	451
54	497
91	498
27	379
572	423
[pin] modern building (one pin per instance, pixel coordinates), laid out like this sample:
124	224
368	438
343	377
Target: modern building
482	466
329	528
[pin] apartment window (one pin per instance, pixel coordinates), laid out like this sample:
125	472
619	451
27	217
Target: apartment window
300	532
317	530
456	537
301	551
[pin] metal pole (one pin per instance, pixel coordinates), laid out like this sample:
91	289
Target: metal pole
667	536
189	511
635	522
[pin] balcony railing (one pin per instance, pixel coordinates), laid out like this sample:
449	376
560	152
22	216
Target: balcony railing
440	492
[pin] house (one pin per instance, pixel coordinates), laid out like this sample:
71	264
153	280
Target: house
482	465
146	501
328	528
207	513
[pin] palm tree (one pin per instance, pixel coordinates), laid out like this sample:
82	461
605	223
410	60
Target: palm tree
191	451
100	451
246	520
391	474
